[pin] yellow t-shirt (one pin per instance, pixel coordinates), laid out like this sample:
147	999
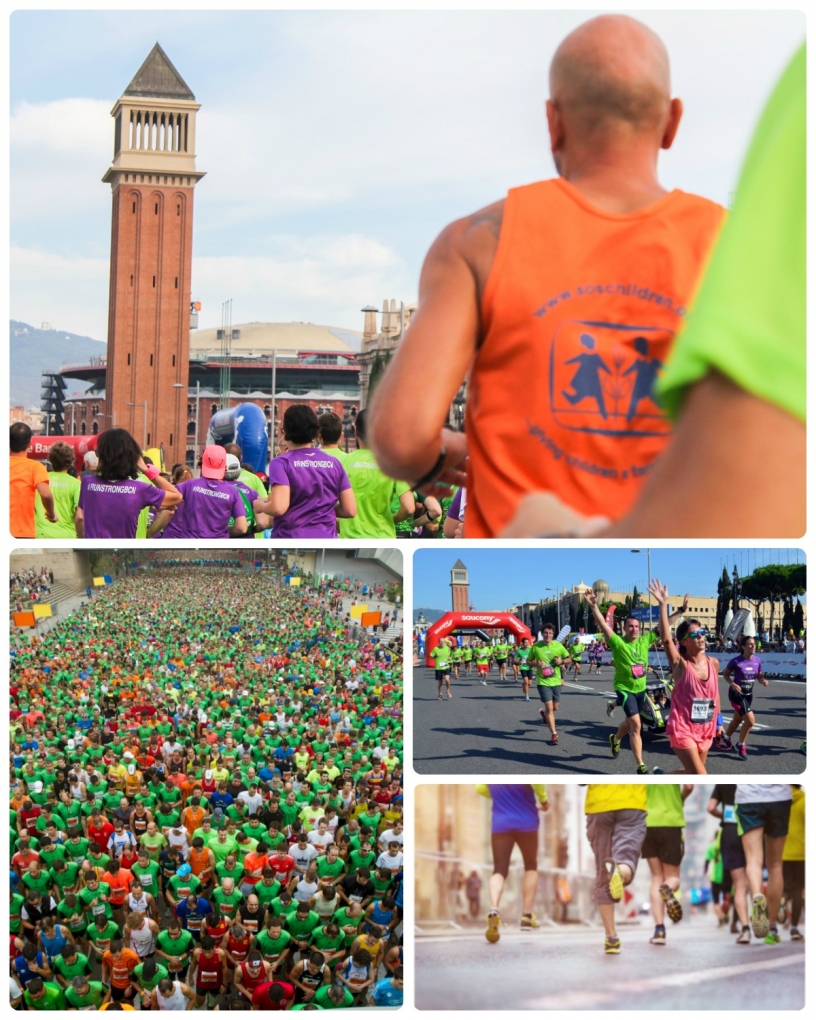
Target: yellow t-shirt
795	843
615	797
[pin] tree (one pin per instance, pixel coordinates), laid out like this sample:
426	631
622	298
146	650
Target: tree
723	600
774	583
798	619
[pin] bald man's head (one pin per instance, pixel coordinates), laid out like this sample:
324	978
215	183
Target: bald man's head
611	73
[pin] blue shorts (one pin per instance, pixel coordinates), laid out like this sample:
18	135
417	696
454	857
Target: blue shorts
772	816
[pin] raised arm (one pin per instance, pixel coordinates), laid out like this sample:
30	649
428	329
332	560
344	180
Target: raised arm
605	629
660	593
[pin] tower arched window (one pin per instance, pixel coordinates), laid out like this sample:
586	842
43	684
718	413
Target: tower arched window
213	408
95	428
95	409
191	428
83	429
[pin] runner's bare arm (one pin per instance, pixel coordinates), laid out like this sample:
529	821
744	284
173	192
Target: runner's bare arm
347	504
715	414
410	407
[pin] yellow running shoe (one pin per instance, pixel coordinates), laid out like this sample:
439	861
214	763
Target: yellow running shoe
529	921
612	945
492	933
615	883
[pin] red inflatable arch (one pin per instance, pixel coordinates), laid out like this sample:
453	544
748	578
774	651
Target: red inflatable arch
41	445
448	624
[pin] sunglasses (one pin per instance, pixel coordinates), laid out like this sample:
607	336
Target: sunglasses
696	633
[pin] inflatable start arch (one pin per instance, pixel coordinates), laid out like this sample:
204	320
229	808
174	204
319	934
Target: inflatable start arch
448	624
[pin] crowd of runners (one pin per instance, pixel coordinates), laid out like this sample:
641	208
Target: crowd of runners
312	489
757	859
206	800
684	701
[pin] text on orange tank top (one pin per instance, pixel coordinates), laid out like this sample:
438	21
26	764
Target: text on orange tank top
579	314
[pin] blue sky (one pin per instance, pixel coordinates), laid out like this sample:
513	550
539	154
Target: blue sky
336	144
500	578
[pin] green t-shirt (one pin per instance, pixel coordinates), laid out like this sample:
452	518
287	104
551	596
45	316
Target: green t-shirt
577	651
71	970
749	317
541	657
714	855
373	492
269	948
175	947
631	661
321	998
65	490
148	984
93	998
53	998
441	656
501	649
664	806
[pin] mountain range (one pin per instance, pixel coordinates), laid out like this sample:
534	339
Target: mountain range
34	351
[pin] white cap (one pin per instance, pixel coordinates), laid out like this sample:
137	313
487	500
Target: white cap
69	745
208	774
127	754
36	786
131	769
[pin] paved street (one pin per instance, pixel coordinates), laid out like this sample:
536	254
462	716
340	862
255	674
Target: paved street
701	967
493	730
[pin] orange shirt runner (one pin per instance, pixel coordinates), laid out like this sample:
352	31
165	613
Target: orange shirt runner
579	313
120	969
24	477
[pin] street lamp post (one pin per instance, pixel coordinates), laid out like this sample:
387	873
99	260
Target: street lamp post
649	575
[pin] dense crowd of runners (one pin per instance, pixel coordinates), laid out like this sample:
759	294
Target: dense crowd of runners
206	800
313	489
686	700
757	859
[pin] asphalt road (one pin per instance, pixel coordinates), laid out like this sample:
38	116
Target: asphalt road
493	730
700	967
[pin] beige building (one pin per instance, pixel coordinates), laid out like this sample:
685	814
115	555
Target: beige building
701	607
378	345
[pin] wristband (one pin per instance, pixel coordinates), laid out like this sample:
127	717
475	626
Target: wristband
431	475
152	472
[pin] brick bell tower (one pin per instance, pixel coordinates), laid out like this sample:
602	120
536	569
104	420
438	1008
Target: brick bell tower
152	177
460	588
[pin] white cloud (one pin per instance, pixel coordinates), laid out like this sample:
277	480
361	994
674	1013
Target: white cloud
322	278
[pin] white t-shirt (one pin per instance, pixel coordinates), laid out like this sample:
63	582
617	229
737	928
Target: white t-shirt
316	839
302	857
763	793
387	861
389	836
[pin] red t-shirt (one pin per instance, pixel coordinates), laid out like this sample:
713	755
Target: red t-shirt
282	866
260	997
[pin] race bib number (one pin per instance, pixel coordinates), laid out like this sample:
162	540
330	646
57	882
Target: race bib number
638	670
729	814
702	710
357	899
98	909
547	671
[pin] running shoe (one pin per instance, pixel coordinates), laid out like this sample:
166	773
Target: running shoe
772	938
796	935
615	881
657	771
742	751
614	745
760	924
744	937
723	742
610	708
526	697
553	740
642	769
492	933
612	945
674	908
449	694
528	922
543	715
659	937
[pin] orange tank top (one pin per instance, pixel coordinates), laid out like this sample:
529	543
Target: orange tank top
579	314
193	819
199	860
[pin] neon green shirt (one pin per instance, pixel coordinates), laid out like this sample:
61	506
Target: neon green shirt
664	804
373	491
748	320
65	490
631	661
541	657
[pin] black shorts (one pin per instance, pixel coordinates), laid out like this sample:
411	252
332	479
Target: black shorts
441	674
773	816
548	694
740	702
733	856
631	702
118	994
665	842
204	992
525	670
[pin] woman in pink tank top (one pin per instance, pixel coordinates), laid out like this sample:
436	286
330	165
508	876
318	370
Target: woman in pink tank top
695	702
